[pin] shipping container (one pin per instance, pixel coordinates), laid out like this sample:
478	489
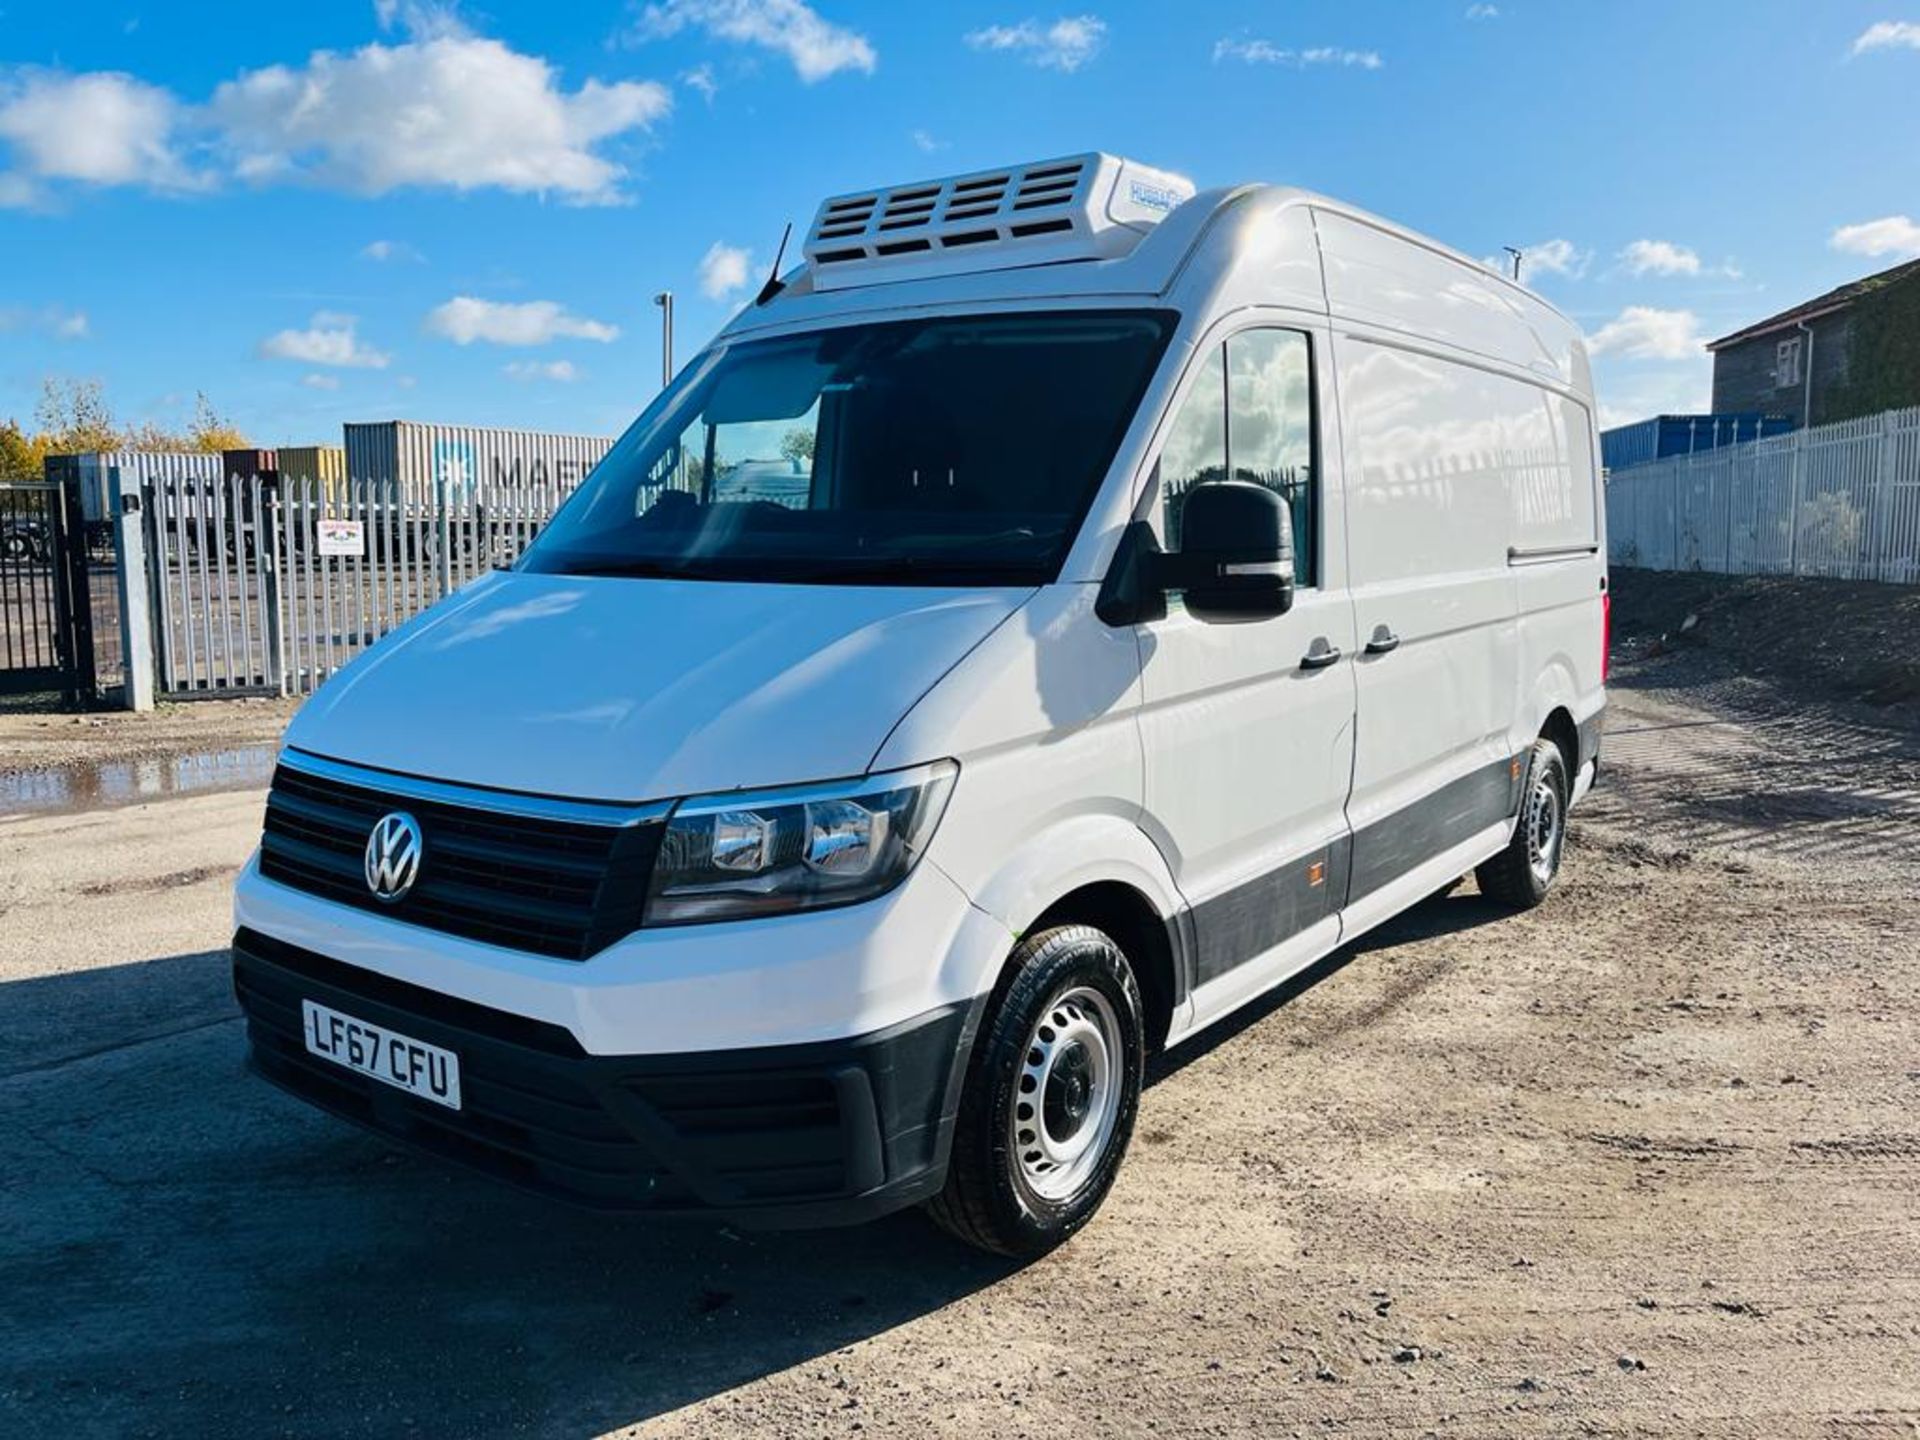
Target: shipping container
1665	436
310	467
134	465
466	464
311	464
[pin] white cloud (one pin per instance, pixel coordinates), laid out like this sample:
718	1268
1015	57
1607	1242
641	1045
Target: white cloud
329	339
926	142
317	380
1066	44
563	372
816	47
96	129
1265	52
390	250
465	319
1660	257
723	270
1483	12
452	110
419	18
1549	257
1641	332
1888	35
700	78
1897	235
55	320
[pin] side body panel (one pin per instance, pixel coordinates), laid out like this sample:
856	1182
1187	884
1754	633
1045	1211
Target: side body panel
1466	414
1430	443
1561	575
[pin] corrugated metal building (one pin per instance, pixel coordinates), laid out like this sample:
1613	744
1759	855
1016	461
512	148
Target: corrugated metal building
1665	436
464	461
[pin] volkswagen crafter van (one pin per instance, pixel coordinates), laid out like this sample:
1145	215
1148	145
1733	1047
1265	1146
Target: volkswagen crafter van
1055	613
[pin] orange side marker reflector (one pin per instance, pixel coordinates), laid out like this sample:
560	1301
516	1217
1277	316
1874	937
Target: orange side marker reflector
1317	873
1513	769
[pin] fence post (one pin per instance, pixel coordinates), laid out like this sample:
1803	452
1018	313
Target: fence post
270	589
1883	493
74	581
136	592
445	523
1793	501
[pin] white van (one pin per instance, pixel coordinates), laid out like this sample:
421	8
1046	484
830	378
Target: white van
1054	614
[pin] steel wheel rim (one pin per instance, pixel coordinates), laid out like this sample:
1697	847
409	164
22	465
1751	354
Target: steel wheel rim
1545	830
1066	1100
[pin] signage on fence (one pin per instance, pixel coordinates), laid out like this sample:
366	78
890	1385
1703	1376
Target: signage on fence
342	537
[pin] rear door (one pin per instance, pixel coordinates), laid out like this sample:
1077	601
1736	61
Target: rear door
1249	747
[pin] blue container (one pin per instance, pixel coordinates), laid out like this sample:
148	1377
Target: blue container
1669	435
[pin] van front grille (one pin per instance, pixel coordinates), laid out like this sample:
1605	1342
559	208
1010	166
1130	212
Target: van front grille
550	886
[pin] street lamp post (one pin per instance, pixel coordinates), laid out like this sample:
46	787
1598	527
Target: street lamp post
665	301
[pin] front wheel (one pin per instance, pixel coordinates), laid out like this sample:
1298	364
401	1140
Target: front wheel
1521	874
1051	1094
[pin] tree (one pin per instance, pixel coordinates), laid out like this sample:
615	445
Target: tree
797	445
211	431
73	416
22	456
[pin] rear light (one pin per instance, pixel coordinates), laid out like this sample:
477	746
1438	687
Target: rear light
1606	634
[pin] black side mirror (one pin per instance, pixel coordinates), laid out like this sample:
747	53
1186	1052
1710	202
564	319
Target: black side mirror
1235	560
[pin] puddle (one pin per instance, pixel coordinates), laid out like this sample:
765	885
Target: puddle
129	782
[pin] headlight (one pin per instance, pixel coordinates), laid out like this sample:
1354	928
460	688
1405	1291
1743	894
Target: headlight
768	852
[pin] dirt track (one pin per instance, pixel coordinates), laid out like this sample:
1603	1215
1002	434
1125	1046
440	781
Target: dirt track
1469	1181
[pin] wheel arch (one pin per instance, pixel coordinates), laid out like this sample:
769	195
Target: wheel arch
1561	729
1144	937
1099	870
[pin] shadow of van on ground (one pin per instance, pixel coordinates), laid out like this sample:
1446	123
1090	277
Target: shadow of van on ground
1445	913
183	1250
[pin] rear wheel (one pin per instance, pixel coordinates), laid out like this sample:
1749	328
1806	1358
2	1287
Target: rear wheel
1523	873
1051	1094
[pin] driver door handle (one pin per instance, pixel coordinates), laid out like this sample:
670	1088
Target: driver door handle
1320	655
1383	642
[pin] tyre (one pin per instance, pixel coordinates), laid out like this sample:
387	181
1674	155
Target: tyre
1051	1093
1523	873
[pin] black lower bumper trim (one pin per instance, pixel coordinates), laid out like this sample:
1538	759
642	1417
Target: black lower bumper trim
817	1134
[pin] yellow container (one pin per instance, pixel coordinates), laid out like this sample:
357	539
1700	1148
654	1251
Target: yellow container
325	465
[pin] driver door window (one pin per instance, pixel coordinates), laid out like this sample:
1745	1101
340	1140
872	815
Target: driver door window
1249	415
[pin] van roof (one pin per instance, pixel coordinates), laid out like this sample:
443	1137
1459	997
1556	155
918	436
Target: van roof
1213	241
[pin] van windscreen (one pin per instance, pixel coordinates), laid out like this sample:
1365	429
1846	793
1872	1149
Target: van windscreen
957	450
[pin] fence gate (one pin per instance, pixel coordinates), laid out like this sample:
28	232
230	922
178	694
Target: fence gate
211	572
264	584
46	614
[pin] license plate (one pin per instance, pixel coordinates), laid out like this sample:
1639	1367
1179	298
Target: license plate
393	1059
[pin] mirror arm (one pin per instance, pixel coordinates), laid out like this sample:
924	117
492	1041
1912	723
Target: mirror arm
1135	590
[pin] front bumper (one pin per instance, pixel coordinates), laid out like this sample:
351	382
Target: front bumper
823	1133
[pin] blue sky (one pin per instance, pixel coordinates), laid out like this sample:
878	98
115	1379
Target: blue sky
344	211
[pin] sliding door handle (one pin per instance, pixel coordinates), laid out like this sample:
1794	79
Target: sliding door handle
1384	641
1320	655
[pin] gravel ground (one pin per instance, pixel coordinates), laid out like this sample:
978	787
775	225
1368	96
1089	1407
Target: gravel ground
1641	1162
32	741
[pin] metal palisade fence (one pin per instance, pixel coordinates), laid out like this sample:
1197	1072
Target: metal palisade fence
264	584
1841	501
